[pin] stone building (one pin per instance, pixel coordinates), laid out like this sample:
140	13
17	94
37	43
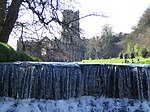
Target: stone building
69	47
73	45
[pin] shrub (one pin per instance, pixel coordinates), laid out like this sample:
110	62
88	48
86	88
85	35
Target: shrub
121	56
144	53
132	55
125	56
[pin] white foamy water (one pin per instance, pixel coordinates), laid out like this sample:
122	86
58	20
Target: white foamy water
82	104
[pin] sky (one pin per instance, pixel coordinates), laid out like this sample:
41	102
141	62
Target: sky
122	15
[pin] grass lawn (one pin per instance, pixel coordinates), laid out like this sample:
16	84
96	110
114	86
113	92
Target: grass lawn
117	60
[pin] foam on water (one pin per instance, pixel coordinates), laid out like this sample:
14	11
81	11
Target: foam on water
82	104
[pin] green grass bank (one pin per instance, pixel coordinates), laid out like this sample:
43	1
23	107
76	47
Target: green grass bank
8	54
137	60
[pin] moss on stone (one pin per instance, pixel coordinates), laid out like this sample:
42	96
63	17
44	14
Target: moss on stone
8	54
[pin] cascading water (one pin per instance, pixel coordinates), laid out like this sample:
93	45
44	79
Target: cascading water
66	80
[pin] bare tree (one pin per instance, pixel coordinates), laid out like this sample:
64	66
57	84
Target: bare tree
43	15
8	17
43	12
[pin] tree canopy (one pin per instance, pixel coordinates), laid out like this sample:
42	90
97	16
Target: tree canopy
42	13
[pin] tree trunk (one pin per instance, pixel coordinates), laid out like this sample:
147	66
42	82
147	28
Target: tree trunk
2	12
10	20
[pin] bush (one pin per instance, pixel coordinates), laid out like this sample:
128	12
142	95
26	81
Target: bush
144	53
8	54
121	56
132	55
126	56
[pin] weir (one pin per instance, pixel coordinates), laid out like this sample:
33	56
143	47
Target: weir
55	81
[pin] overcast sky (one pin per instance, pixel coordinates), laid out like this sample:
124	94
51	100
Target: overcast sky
122	14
